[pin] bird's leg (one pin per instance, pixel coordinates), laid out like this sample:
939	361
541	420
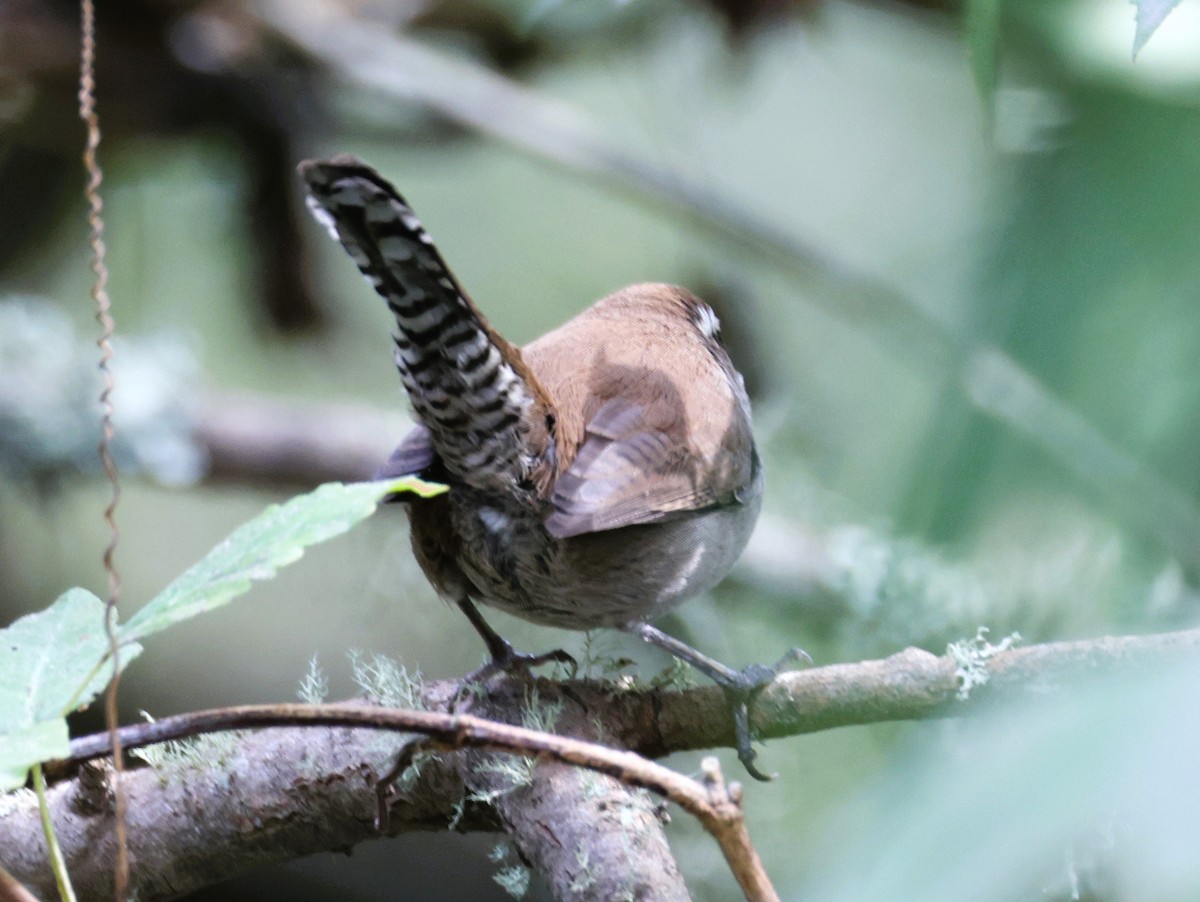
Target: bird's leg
504	658
740	686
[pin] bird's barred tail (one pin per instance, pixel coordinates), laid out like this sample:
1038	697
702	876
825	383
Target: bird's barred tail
483	407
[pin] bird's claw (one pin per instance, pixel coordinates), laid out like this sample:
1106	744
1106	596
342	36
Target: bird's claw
505	659
741	692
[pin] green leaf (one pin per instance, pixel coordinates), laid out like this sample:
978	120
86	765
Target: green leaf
52	661
256	550
1150	15
51	664
31	745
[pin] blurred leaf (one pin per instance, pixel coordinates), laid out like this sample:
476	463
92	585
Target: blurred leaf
50	660
983	45
1150	15
25	747
1083	791
255	551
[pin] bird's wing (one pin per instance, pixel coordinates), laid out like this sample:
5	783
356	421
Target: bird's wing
627	473
412	456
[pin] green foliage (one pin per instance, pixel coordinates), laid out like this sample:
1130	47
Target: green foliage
539	715
388	682
512	773
314	686
516	771
52	661
1090	796
676	676
514	879
197	752
585	879
599	658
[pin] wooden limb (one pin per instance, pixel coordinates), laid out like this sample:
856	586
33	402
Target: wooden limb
266	441
13	891
220	809
588	827
590	855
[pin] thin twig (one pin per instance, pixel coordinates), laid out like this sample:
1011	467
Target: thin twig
12	890
728	827
909	685
87	112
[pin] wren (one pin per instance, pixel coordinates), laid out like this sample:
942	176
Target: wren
599	476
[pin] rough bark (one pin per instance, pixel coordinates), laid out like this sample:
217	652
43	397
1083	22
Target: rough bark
593	837
275	794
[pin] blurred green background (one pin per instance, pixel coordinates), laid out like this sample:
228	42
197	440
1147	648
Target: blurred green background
902	196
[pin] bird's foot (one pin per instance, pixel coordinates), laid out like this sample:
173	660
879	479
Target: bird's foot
741	687
506	660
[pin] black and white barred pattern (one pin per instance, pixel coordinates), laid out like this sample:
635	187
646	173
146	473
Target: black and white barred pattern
460	384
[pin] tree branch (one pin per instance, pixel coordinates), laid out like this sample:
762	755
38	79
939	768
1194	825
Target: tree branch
12	891
267	441
607	841
276	794
593	833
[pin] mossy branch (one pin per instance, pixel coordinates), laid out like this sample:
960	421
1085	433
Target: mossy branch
281	793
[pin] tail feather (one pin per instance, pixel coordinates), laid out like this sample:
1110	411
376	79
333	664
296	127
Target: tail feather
485	410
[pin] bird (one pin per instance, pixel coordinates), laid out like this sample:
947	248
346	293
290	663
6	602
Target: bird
598	477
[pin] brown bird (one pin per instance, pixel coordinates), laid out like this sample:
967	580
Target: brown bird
598	477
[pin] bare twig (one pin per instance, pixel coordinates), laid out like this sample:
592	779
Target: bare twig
12	891
727	824
87	112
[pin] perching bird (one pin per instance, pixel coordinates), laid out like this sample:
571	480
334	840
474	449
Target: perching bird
598	477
